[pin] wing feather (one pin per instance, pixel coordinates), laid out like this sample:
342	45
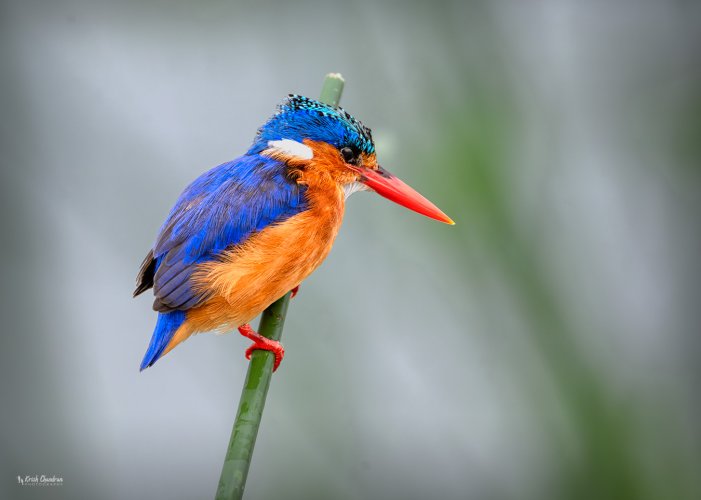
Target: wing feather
221	208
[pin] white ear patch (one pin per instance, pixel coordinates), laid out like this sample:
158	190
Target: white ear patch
354	187
288	147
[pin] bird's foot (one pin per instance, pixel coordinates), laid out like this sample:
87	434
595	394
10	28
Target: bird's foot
294	291
263	343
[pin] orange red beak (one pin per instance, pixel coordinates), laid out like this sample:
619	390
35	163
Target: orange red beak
392	188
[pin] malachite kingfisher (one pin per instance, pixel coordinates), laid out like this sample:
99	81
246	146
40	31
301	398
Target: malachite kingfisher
247	232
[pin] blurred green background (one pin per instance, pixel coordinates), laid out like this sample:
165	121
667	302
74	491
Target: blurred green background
546	346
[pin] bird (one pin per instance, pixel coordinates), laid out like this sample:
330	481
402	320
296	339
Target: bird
248	231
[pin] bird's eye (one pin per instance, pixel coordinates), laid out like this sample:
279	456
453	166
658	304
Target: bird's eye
348	155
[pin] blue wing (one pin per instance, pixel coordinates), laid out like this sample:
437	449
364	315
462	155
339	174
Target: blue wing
221	208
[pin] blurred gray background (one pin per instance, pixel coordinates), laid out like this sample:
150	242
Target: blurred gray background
545	347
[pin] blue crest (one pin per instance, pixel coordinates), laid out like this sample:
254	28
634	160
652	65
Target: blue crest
300	117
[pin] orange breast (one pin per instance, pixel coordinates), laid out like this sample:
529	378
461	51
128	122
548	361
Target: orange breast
251	276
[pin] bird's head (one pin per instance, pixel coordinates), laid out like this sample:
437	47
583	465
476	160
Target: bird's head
309	135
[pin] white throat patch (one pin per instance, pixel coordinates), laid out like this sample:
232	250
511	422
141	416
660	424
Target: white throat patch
354	187
288	147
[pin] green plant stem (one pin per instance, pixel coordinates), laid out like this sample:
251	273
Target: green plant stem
255	389
332	89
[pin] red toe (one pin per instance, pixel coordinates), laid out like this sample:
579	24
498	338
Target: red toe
262	343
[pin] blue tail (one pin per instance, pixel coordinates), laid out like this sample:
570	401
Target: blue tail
166	326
